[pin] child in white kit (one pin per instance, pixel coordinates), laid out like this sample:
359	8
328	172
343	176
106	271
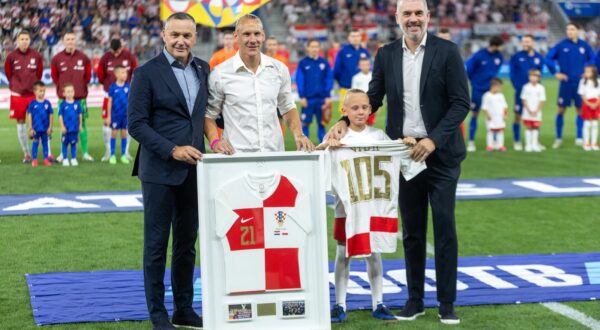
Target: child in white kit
533	96
589	89
496	110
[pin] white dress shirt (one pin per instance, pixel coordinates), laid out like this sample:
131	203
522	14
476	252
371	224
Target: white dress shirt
249	101
361	81
411	76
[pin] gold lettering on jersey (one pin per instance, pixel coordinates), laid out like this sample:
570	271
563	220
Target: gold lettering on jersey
373	167
361	149
346	166
360	178
245	231
377	171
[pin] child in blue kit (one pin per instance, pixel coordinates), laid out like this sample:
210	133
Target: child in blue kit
69	113
117	113
39	118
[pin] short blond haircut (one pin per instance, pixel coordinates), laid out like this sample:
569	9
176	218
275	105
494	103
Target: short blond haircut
248	17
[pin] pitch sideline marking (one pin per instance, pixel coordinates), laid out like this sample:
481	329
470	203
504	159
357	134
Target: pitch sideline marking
573	314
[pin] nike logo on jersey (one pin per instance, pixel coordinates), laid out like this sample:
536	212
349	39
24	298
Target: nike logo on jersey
246	220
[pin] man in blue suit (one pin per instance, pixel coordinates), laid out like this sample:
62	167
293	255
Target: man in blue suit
166	109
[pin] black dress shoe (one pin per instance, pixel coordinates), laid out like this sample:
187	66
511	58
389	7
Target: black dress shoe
447	314
188	320
412	310
163	325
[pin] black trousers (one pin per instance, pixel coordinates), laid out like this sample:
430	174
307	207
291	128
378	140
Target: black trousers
436	186
165	207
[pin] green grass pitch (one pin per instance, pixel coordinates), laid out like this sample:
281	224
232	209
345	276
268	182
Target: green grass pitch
84	242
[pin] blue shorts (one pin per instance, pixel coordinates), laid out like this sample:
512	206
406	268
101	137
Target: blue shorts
40	136
119	122
70	138
476	96
567	93
518	101
313	109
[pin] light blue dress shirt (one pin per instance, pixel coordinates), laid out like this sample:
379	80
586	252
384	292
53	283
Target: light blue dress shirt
186	77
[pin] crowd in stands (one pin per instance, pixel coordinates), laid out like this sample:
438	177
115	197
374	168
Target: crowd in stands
137	22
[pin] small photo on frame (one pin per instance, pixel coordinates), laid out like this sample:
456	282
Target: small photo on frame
293	308
239	312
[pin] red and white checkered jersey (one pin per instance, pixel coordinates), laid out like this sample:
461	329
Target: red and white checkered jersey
365	179
263	221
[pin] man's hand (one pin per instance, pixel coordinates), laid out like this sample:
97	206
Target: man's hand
223	147
187	154
304	102
422	150
409	141
337	131
561	76
304	143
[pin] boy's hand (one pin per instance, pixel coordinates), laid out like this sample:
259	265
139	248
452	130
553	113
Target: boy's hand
31	133
333	143
106	121
49	131
409	141
64	130
303	102
80	128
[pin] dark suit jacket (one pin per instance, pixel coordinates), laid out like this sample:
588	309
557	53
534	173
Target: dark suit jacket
444	95
159	120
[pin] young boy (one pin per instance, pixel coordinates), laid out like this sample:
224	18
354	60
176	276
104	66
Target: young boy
39	118
496	111
117	113
366	211
70	113
533	96
361	81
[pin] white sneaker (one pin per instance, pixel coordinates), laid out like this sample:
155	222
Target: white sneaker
59	159
595	147
65	162
536	149
129	157
587	147
579	142
557	143
528	149
74	162
106	157
471	146
518	146
87	157
541	146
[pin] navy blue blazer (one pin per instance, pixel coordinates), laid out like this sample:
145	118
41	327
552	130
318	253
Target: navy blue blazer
444	97
158	118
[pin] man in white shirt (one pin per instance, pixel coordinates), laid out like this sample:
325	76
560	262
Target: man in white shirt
247	90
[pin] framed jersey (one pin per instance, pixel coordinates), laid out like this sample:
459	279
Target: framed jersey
263	241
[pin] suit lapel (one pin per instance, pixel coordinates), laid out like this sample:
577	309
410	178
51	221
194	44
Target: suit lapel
201	71
172	83
430	51
397	67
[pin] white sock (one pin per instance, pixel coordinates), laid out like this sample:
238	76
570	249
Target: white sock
22	136
587	127
594	132
49	146
490	138
535	135
500	139
128	143
375	272
342	272
106	134
528	143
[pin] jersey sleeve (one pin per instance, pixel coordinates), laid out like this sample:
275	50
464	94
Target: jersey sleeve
111	90
543	93
300	80
524	92
504	103
410	168
485	102
302	212
60	109
30	107
224	214
50	110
